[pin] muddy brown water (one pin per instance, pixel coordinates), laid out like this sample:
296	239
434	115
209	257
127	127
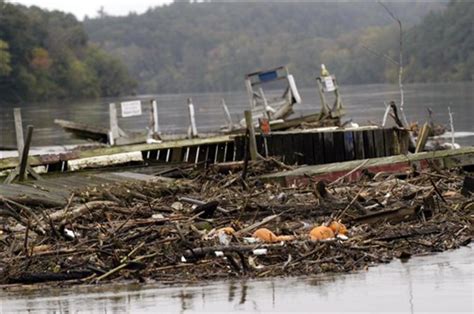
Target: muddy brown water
363	103
442	283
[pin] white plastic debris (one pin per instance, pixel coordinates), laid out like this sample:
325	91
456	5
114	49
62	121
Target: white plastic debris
219	253
183	259
69	234
153	141
253	264
282	197
342	237
177	205
258	252
224	238
250	240
157	216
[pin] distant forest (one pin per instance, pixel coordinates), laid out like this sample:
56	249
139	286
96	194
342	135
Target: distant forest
202	47
45	55
192	47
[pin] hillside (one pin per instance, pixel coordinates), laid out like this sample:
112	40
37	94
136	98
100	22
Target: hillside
187	47
46	55
442	47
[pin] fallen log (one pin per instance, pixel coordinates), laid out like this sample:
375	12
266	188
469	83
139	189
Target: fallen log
30	278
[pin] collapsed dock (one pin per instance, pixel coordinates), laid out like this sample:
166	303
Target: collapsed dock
144	228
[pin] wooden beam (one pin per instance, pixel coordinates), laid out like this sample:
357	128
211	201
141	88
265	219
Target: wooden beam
192	119
251	132
113	124
422	138
18	130
24	155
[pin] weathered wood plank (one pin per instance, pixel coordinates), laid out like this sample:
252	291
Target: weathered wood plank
369	147
308	149
339	146
379	144
329	151
349	151
359	149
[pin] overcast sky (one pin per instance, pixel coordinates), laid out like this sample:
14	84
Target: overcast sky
80	8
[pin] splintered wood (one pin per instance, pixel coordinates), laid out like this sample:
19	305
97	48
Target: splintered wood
200	227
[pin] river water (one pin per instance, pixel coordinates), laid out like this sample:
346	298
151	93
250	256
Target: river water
363	103
440	283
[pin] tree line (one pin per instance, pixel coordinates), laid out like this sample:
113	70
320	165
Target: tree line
197	47
45	55
210	46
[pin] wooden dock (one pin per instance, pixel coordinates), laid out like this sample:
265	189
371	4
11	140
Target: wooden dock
55	190
354	170
302	147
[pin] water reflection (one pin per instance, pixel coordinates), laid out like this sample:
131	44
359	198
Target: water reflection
363	103
439	283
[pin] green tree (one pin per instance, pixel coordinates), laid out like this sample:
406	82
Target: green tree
5	67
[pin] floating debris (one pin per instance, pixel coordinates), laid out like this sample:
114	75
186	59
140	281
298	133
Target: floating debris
151	231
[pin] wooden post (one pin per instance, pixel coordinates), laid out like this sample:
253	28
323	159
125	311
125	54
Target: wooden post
266	107
248	86
252	140
18	130
192	118
154	109
23	168
114	128
24	155
227	115
422	138
324	107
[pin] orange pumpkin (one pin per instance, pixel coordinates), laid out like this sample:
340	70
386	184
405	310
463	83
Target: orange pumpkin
321	233
265	235
338	228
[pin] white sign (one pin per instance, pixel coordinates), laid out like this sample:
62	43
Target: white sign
329	84
131	108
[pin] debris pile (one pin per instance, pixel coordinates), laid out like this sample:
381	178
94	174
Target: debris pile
225	222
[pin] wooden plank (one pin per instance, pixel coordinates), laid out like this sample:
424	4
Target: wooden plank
24	154
369	147
349	152
251	132
379	144
177	154
404	140
422	138
240	147
289	150
202	153
11	162
318	148
389	140
339	146
211	153
18	130
308	149
277	142
260	144
220	153
394	164
298	148
329	151
192	154
359	150
230	152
